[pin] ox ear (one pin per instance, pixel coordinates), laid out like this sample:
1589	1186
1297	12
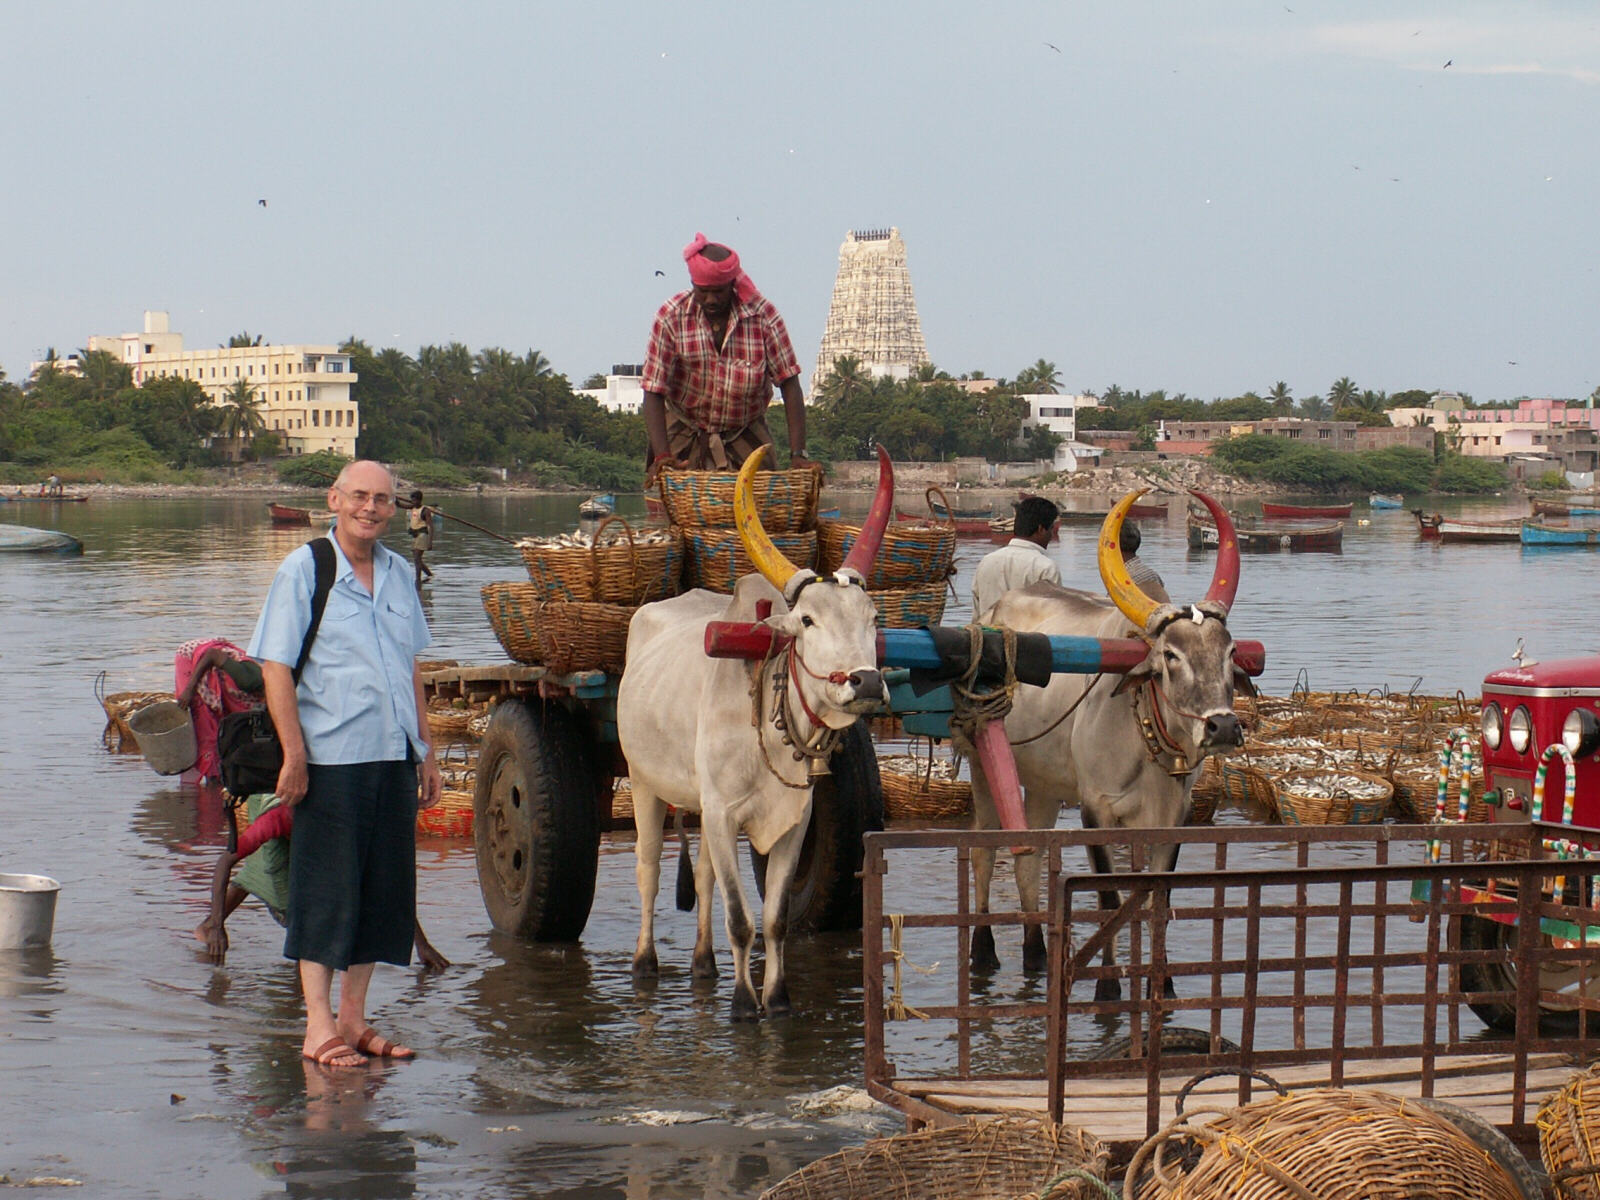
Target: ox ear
1243	685
1134	678
785	623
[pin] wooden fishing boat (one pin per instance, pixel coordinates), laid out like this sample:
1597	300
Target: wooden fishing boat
966	527
1269	538
1536	534
1378	500
1002	529
1564	508
285	514
960	514
23	539
25	498
827	514
653	507
1146	511
1303	512
1427	524
1480	531
594	508
1085	516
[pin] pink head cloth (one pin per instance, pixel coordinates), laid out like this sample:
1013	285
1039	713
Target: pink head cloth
703	272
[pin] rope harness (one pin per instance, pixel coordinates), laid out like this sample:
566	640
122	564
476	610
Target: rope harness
820	745
973	708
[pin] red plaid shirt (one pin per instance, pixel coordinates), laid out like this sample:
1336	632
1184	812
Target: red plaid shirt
718	390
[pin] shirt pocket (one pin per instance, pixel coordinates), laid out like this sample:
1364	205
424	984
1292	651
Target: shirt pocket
743	378
341	608
395	617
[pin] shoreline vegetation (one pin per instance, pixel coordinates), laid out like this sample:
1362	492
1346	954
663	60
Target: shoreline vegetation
451	419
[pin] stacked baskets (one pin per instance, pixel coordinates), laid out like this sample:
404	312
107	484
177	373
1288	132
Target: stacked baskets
573	613
700	505
907	581
1569	1136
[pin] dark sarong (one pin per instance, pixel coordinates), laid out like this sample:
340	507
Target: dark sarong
706	450
353	866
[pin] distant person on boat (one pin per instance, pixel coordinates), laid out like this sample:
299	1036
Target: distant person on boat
53	485
716	352
263	848
1142	573
419	524
212	678
1020	561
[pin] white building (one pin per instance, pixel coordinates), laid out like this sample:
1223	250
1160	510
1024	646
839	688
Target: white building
1059	414
624	389
304	390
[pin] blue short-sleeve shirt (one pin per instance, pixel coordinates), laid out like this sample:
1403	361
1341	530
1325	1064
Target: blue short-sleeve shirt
356	695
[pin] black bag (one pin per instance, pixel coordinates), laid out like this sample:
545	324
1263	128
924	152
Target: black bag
247	743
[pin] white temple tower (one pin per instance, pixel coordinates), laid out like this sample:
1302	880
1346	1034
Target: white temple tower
873	316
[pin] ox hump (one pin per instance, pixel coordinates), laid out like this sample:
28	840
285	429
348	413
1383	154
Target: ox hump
1044	607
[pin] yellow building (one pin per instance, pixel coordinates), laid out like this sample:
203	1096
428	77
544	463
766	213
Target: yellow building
304	390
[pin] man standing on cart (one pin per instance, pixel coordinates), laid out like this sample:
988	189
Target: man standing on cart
716	352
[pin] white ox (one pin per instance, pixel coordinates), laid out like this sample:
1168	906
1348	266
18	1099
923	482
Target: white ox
1129	750
725	737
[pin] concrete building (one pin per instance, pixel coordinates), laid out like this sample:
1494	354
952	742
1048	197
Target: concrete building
304	390
1059	414
873	314
1197	437
624	389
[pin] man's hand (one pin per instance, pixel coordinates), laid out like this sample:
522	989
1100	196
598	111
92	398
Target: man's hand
656	464
215	939
799	462
430	784
293	779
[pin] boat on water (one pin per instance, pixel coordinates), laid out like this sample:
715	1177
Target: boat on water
1427	524
26	498
827	514
1146	511
965	526
1303	512
597	506
1535	533
1565	508
1379	500
961	514
24	539
287	514
1002	529
1268	538
1480	531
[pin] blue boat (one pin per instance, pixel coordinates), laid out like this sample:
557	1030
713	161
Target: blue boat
24	539
1535	534
827	514
1379	501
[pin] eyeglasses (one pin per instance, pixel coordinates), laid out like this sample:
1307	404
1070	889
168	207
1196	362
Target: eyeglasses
380	499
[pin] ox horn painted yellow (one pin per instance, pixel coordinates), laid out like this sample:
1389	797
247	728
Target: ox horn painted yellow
769	560
1124	593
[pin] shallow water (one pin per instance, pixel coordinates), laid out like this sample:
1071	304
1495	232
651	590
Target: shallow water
137	1068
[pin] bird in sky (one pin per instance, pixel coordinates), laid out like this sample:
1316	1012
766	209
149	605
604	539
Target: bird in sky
1054	47
661	273
263	203
1511	362
1447	63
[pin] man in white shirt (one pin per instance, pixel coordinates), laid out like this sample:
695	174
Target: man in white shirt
1021	561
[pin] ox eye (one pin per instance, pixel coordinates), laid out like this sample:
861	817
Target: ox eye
1171	656
807	622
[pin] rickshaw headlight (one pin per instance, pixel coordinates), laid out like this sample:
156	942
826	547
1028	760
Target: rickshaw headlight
1493	724
1580	733
1520	729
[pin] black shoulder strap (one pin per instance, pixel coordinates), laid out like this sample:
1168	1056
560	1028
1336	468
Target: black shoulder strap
322	558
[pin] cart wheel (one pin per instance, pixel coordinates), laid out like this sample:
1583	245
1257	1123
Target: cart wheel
1488	1138
826	891
1556	975
536	824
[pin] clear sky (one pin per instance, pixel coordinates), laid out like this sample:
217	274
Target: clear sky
1201	196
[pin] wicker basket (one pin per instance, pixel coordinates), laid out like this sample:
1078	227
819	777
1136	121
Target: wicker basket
923	797
622	571
1569	1137
1238	782
1330	1143
119	706
1001	1159
1416	791
451	817
1207	795
449	724
785	500
564	637
910	608
1301	802
913	553
715	558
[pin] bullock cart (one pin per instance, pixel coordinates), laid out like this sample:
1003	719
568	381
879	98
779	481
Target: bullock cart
1320	956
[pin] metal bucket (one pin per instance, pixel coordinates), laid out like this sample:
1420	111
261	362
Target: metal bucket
27	910
165	733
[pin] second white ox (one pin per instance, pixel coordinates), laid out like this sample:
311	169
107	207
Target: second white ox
1125	749
735	740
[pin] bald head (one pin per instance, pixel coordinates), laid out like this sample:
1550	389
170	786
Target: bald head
377	476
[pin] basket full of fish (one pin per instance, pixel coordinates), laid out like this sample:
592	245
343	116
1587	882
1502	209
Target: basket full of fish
615	565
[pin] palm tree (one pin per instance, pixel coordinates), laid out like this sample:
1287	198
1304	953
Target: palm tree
1342	393
242	341
1041	379
106	374
241	414
1281	398
846	381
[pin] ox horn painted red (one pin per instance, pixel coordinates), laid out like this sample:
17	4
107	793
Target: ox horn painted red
865	552
1225	579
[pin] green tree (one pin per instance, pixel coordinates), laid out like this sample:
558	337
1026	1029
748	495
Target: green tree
1342	393
241	417
1281	398
242	340
104	373
1040	379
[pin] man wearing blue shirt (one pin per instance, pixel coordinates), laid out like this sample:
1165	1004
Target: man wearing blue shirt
353	738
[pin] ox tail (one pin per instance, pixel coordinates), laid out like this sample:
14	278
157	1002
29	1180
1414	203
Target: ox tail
685	865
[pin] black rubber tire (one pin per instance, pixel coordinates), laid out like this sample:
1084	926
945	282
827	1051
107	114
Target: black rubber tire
825	894
1480	933
1175	1039
536	822
1497	1145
